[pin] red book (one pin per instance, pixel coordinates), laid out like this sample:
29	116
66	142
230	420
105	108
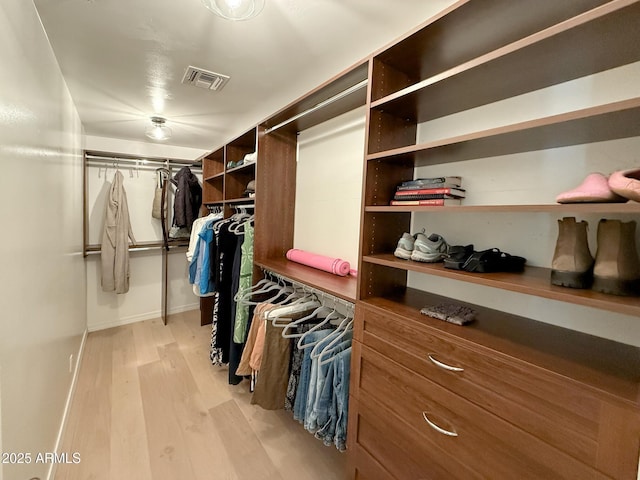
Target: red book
434	202
456	192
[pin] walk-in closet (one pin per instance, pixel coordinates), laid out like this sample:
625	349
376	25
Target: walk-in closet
364	240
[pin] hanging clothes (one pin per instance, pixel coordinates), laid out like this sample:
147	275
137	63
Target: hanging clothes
246	276
199	255
332	419
117	231
188	198
271	388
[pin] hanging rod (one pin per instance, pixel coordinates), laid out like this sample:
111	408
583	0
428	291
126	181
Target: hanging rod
320	105
131	249
140	166
91	158
315	290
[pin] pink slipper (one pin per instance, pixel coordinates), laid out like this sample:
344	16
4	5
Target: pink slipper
626	183
594	189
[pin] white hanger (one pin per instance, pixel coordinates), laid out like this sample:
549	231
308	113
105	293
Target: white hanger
328	349
336	335
333	314
266	288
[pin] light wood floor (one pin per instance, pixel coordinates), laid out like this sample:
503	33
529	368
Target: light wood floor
149	405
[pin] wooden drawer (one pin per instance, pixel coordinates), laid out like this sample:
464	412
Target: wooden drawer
553	409
477	439
402	453
366	468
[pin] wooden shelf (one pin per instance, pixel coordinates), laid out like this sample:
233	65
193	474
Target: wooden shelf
584	208
342	287
462	32
240	200
217	176
568	50
614	370
244	166
533	281
218	202
604	122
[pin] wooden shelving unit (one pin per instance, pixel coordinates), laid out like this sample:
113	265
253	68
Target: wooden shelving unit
471	55
274	172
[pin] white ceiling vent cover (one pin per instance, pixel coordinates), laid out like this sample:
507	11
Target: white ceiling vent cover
204	79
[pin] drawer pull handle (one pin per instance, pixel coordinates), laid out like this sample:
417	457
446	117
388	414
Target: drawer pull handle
444	365
436	427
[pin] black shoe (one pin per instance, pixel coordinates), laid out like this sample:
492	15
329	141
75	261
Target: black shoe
457	255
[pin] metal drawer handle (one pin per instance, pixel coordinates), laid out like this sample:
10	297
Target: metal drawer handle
436	427
444	365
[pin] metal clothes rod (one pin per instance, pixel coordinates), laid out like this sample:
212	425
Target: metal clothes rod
131	249
320	105
317	291
142	168
141	161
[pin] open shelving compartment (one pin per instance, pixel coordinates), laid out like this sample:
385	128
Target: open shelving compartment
276	178
437	71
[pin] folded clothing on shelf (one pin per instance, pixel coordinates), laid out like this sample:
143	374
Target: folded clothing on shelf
450	312
332	265
250	157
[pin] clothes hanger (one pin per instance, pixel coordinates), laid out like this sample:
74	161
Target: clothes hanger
294	296
308	303
314	314
331	347
336	335
279	290
268	286
248	292
333	315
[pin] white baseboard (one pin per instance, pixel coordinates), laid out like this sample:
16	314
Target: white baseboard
140	317
65	415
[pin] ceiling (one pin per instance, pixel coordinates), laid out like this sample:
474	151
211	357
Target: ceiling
124	60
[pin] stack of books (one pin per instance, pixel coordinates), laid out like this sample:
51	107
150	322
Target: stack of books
435	191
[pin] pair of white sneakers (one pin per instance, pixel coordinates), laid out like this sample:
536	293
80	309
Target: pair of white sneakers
422	248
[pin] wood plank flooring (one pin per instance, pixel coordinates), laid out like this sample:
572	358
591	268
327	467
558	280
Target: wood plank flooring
150	406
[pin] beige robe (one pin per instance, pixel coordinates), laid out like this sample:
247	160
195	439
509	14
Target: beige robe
115	239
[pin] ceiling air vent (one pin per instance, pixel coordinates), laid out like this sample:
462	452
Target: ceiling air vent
204	79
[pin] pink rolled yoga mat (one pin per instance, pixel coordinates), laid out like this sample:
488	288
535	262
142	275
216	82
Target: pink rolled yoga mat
327	264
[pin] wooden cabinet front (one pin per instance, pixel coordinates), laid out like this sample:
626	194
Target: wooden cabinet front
448	407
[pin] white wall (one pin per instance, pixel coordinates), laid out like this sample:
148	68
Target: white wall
531	178
143	300
329	187
43	298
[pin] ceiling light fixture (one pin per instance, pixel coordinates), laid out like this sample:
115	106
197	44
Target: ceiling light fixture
158	130
235	9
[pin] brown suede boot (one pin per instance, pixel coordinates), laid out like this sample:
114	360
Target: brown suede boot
617	268
572	264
